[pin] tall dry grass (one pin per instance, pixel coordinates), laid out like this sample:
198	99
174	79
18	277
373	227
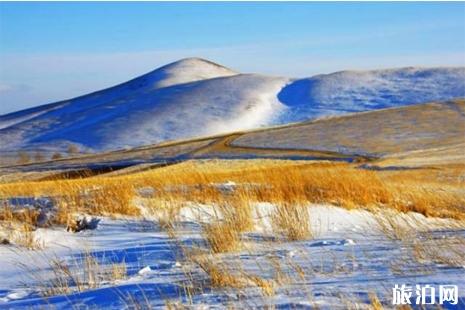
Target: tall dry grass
228	275
75	275
18	226
289	185
231	219
292	221
221	236
94	196
280	182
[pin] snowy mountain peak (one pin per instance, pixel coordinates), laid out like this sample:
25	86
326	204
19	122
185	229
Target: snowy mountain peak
195	63
188	70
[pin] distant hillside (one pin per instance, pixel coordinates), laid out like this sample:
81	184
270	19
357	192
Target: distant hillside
195	97
423	134
376	133
356	91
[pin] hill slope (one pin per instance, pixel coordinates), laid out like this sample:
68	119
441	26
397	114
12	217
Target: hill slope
376	133
195	97
356	91
416	135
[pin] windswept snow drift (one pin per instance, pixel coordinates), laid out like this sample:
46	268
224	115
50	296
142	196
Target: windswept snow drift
194	97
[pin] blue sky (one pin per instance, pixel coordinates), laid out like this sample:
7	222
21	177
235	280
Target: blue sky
53	51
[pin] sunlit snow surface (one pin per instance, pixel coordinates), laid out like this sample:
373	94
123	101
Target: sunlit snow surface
194	97
347	260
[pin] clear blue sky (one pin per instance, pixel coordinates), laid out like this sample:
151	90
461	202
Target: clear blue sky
53	51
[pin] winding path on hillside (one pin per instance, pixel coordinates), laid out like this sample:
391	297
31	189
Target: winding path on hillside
223	147
148	157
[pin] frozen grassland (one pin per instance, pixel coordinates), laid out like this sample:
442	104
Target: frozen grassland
204	239
350	259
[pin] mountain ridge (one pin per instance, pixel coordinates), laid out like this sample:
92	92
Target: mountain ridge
194	97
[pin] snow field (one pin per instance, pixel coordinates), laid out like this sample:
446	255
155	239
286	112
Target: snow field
351	255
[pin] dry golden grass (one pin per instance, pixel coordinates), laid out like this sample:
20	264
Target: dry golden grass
292	221
75	276
446	250
22	235
375	302
238	212
221	275
28	216
273	181
289	185
118	271
221	237
427	243
163	211
231	219
395	226
18	227
427	191
104	197
267	286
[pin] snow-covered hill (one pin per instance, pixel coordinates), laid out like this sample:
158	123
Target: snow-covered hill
194	97
355	91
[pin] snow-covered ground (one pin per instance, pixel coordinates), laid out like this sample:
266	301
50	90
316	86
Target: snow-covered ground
348	258
195	97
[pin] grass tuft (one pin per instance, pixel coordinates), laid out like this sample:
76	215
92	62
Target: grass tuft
292	221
